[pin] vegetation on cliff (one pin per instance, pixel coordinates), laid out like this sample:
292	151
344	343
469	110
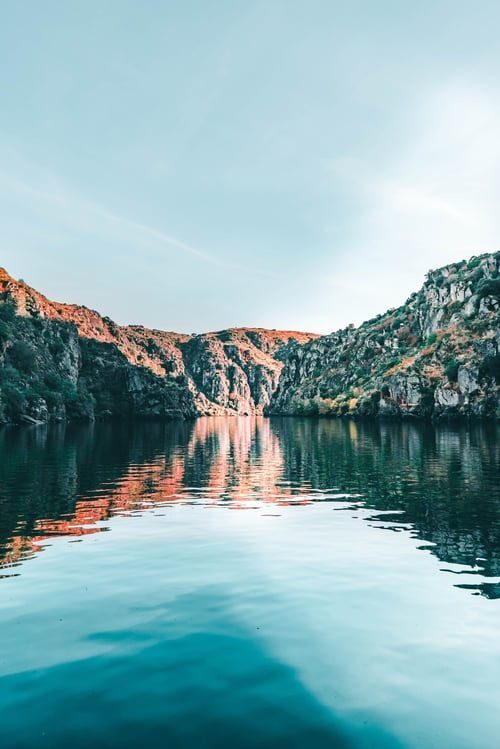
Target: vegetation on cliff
60	361
437	355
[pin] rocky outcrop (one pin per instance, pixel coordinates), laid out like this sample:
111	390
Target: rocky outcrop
60	361
438	355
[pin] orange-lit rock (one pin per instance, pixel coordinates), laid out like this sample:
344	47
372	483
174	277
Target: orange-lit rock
128	370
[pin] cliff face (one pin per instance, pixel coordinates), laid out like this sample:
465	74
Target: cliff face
61	361
437	355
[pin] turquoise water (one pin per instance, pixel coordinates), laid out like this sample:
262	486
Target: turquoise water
249	582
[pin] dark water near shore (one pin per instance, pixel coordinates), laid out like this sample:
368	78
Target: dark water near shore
250	583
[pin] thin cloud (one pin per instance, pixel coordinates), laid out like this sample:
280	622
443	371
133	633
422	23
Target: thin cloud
442	190
432	203
397	194
78	206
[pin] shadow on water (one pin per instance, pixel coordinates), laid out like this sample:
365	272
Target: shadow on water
440	482
186	686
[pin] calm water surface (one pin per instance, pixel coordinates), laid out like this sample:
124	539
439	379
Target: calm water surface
249	583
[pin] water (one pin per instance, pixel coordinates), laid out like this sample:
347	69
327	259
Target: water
249	583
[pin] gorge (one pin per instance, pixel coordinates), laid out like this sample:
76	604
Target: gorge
438	355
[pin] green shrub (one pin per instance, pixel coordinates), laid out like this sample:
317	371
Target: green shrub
9	374
7	311
490	367
57	346
4	331
22	356
14	400
489	287
427	399
451	370
51	397
54	382
300	405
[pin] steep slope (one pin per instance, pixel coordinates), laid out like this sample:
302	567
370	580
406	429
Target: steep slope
437	355
62	361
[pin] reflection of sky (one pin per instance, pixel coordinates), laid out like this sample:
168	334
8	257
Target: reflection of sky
289	603
365	622
276	164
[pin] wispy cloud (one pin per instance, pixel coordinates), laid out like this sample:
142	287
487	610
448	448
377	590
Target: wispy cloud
433	202
441	191
399	194
74	208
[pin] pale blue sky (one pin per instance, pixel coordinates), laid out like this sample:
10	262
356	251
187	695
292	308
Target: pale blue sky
198	165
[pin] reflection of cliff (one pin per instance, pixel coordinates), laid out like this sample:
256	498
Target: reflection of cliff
235	459
444	482
62	482
54	480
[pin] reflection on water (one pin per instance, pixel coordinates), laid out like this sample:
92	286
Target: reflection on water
307	618
441	483
159	715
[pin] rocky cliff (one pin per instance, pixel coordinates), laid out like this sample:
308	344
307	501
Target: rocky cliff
437	355
60	361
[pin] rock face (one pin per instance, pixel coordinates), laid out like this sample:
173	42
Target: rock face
60	361
438	355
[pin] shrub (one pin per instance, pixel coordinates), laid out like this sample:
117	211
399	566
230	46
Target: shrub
7	312
301	405
490	367
473	263
22	355
427	399
451	370
51	397
14	400
57	346
4	331
489	287
54	382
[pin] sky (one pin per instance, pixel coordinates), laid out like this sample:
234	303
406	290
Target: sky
196	165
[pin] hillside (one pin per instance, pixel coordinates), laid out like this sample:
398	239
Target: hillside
60	361
438	355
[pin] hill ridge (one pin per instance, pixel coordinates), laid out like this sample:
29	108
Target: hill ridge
436	355
60	360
